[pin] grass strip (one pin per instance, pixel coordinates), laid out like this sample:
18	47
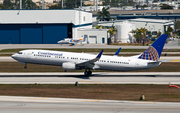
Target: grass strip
90	50
94	91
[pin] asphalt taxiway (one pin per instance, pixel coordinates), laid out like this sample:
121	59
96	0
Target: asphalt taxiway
95	78
173	45
17	104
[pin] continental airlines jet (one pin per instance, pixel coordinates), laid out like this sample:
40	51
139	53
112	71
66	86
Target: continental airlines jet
77	61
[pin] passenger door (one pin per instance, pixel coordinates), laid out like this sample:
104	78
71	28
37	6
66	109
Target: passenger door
29	54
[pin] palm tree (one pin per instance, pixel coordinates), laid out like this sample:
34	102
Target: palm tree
143	33
139	33
100	27
111	31
159	34
104	13
169	31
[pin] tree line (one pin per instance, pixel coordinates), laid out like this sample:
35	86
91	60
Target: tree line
67	4
26	4
71	4
29	4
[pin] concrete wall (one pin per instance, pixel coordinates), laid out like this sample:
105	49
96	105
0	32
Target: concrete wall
37	16
45	16
93	36
149	24
153	26
82	20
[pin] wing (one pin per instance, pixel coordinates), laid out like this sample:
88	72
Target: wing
90	63
74	41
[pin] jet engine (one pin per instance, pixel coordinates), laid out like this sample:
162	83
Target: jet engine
69	66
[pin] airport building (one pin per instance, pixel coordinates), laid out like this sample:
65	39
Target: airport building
149	24
41	26
94	36
125	27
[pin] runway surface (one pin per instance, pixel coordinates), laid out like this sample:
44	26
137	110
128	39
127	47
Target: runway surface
12	104
96	78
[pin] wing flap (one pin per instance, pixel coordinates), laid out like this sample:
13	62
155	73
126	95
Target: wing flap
90	63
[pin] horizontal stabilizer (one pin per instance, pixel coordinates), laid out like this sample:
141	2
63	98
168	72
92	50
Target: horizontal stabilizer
154	63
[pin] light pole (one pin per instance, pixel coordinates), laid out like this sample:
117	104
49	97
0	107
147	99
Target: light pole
20	4
62	4
81	3
96	5
43	5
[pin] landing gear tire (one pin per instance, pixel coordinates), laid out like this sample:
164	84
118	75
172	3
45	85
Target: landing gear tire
86	73
25	67
89	72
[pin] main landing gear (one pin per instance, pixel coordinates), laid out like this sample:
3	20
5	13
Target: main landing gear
87	73
25	66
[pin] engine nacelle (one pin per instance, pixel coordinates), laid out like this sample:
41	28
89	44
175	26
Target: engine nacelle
69	66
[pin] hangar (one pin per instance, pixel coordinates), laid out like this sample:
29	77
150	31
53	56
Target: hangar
41	26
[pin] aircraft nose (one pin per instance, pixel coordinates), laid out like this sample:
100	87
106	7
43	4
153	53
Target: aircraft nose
13	56
59	42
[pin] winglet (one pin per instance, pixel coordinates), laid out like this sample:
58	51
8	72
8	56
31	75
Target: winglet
117	52
99	55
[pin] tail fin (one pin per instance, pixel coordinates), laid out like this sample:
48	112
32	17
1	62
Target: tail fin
82	39
154	51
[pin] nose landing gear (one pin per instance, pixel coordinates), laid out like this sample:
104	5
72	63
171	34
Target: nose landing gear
25	66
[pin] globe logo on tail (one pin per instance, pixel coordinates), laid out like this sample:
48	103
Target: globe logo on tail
150	54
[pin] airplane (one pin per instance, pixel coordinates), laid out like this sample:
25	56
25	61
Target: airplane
70	41
77	61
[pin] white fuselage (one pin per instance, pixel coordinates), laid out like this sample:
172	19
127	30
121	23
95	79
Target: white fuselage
57	58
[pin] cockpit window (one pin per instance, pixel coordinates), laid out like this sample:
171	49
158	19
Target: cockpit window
20	53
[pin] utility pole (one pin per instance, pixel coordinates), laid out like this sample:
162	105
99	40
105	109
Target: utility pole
20	4
62	4
43	7
94	8
81	3
76	4
96	5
